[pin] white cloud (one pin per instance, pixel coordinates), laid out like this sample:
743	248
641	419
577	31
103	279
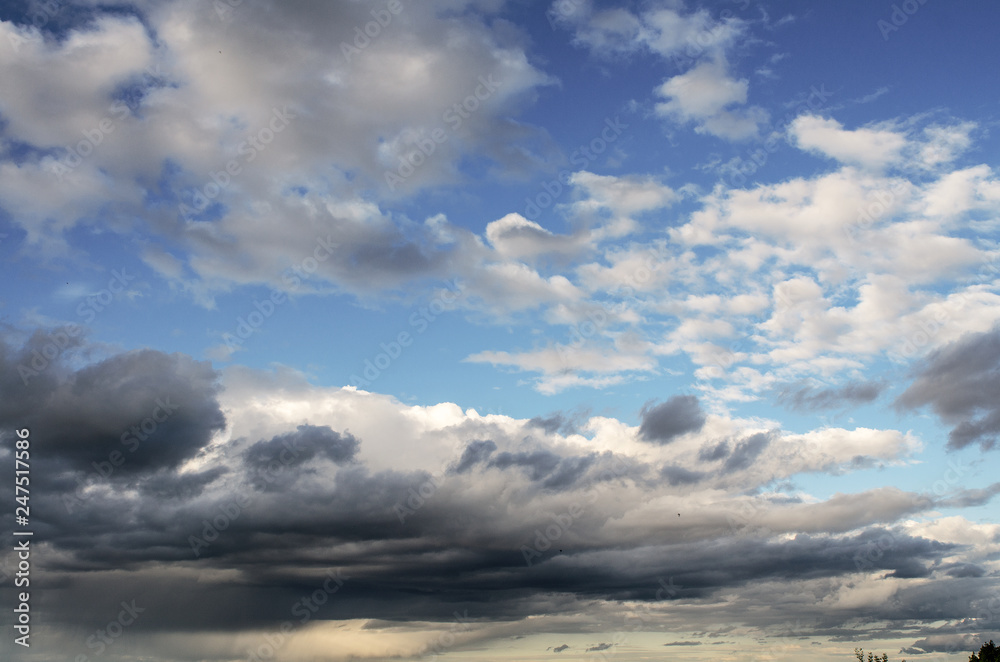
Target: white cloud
514	236
701	92
945	143
578	363
707	95
609	204
872	148
213	90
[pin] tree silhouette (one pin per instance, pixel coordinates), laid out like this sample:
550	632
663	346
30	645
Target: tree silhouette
987	653
872	657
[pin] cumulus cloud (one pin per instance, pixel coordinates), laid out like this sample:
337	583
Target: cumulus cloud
870	147
168	118
847	230
708	95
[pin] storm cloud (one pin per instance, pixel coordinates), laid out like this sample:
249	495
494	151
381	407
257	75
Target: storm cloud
204	547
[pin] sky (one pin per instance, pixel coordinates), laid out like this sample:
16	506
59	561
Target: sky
500	330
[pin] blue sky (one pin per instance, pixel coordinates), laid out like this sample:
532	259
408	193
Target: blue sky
746	250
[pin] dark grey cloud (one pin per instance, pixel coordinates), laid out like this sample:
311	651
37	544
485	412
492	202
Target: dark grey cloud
462	541
446	557
664	422
475	453
961	384
746	451
966	570
599	647
678	475
539	464
683	643
714	452
910	569
302	446
569	471
970	498
169	485
128	415
554	423
558	472
27	373
802	397
559	649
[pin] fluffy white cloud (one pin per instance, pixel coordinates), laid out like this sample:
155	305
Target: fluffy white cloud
869	147
707	94
515	237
